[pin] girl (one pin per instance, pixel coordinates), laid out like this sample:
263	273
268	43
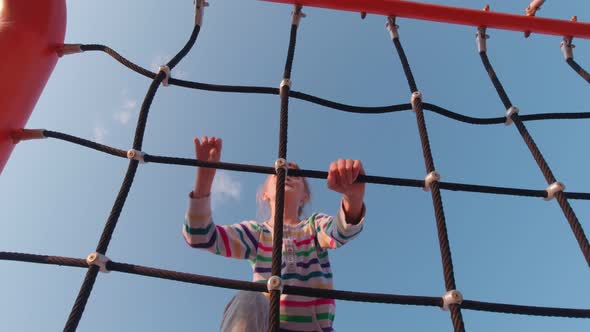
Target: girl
305	242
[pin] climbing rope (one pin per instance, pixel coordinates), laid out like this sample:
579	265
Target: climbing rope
430	301
443	238
452	300
328	103
513	117
105	238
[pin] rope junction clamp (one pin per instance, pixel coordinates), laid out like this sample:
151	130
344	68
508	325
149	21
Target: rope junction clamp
297	15
281	163
274	283
512	110
553	189
199	11
27	134
451	297
417	95
429	179
567	48
392	27
136	155
166	70
481	37
285	82
66	49
99	260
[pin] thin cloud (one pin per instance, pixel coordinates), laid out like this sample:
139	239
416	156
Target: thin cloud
128	105
123	117
225	188
99	133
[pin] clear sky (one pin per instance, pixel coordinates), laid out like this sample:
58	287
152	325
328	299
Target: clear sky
55	196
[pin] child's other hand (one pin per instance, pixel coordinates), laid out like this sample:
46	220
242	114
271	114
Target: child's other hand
341	177
207	149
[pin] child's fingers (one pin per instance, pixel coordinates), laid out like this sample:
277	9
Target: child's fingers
332	175
356	169
219	144
341	171
349	171
197	147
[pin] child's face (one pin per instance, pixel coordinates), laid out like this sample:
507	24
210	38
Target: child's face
295	191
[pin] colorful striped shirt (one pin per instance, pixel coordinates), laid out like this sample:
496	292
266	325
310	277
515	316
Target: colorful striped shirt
305	256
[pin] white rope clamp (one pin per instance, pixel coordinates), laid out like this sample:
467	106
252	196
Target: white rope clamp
99	260
274	283
297	15
166	70
429	179
414	99
512	110
481	38
392	27
567	47
451	297
66	49
553	189
27	134
136	155
281	163
285	82
200	11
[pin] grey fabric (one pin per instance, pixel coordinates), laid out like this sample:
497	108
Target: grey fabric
246	312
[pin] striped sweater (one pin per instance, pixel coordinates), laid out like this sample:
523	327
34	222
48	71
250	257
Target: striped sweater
305	256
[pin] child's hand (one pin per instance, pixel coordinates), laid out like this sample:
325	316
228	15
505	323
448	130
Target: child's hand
208	149
341	177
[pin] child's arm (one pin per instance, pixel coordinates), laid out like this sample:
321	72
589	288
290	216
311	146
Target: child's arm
348	223
207	150
236	241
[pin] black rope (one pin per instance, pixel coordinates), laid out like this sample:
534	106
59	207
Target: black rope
285	93
430	301
452	186
576	67
541	162
90	278
445	249
86	143
495	81
275	295
136	68
328	103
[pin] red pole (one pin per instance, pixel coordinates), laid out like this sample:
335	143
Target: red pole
30	31
454	15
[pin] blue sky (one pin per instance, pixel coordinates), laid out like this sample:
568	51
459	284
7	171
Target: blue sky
55	196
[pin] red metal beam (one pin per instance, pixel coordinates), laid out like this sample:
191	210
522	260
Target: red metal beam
454	15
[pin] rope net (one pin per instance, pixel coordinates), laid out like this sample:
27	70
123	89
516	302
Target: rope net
97	262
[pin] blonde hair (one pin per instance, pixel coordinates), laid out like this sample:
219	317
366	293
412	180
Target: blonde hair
263	207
